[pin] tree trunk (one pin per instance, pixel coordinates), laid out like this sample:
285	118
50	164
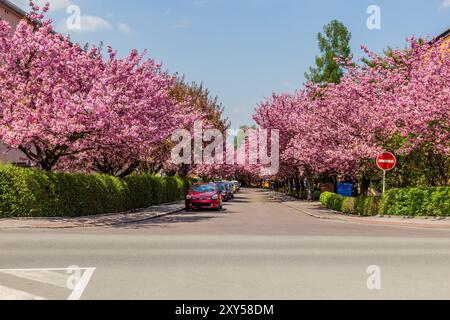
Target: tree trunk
365	185
310	184
130	170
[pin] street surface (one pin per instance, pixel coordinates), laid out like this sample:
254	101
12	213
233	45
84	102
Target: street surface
257	248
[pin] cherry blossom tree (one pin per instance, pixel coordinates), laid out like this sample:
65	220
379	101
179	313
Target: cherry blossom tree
134	94
73	109
335	129
198	105
45	84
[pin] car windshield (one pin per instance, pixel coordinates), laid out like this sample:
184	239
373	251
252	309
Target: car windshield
204	188
221	187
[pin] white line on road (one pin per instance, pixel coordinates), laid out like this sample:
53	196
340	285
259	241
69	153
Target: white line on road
51	276
7	294
43	276
41	269
82	284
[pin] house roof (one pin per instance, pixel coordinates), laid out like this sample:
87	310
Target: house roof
13	7
444	35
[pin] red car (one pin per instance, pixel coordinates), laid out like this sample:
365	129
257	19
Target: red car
204	196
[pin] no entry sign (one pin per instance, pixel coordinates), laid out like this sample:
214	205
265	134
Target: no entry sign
386	161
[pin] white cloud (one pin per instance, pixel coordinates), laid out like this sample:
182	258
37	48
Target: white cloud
124	28
55	5
446	3
88	24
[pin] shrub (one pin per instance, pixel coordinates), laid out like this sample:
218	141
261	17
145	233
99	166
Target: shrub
157	186
417	202
349	205
332	201
35	193
398	202
325	198
140	191
171	189
368	206
364	206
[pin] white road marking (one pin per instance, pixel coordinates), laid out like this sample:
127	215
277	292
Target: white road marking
43	276
7	294
54	277
82	284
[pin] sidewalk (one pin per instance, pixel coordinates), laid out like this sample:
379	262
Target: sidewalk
316	210
106	220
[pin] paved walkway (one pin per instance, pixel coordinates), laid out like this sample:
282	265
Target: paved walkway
316	210
106	220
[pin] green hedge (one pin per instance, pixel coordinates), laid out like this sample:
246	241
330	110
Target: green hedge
417	202
35	193
332	201
368	206
398	202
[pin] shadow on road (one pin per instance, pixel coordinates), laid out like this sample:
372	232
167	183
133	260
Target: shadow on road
237	200
276	197
174	219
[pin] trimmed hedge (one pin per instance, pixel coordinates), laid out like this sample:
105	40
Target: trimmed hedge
332	201
35	193
417	202
397	202
368	206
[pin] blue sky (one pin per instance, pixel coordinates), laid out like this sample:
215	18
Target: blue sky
243	50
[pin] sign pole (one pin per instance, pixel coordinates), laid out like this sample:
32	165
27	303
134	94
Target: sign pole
386	162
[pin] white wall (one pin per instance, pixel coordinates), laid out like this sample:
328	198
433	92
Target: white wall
6	155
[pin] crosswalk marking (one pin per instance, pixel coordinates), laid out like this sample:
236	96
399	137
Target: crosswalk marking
43	276
82	284
74	279
12	294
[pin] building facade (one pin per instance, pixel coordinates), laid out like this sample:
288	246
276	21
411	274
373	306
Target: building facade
445	37
13	15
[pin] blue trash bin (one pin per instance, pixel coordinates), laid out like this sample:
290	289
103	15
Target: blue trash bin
345	189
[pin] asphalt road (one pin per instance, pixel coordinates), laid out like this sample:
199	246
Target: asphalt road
256	249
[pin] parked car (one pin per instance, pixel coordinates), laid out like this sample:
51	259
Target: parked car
224	190
236	185
204	196
230	188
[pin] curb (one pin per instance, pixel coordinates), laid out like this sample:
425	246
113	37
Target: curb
88	226
145	219
361	220
337	218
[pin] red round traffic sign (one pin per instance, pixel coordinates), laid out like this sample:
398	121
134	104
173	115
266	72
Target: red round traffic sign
386	161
